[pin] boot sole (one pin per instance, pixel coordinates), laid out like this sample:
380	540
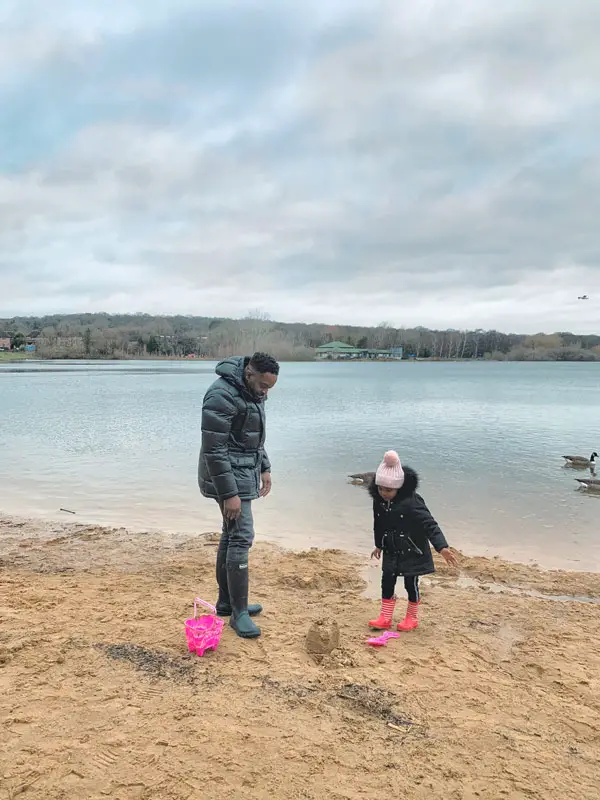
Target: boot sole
228	613
242	635
246	635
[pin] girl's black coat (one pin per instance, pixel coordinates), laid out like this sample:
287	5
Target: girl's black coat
404	529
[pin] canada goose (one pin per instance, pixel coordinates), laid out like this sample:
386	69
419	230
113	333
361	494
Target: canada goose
362	478
593	484
580	461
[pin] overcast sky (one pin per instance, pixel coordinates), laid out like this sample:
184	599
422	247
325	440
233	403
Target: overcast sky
420	162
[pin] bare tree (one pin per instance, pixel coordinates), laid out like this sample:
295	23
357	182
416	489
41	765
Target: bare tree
142	335
477	336
464	343
258	315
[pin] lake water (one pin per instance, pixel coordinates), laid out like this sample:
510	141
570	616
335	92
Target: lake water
118	443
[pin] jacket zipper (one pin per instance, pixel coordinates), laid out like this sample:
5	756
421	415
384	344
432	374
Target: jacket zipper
418	549
261	444
261	414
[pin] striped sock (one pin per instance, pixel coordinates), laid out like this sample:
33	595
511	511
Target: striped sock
387	608
412	611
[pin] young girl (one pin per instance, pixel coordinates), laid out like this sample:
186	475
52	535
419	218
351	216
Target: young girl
403	528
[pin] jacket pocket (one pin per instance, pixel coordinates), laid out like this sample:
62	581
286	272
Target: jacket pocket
246	473
243	460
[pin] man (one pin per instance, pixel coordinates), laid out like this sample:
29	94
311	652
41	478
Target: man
234	470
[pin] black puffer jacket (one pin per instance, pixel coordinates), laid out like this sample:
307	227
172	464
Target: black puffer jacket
232	456
404	529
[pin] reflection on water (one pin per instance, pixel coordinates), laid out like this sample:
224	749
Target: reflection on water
118	444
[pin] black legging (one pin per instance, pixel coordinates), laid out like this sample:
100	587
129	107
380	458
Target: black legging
388	586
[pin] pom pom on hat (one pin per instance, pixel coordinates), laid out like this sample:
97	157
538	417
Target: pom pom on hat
390	474
391	459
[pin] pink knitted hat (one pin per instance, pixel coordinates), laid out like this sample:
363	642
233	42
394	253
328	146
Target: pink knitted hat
390	474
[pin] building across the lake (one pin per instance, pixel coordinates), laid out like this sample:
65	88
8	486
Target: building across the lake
335	351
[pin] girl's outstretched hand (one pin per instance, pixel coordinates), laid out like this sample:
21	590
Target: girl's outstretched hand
376	553
449	557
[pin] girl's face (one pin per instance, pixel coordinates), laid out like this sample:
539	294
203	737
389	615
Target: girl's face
387	494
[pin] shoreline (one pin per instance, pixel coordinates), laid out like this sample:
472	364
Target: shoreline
10	358
295	541
495	695
488	572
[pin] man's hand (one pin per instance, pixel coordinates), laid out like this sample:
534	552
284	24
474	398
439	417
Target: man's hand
265	479
376	553
449	557
232	508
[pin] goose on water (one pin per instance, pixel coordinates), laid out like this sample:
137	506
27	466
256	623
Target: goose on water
580	461
362	478
593	484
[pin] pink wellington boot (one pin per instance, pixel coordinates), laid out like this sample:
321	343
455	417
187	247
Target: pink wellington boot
384	620
410	621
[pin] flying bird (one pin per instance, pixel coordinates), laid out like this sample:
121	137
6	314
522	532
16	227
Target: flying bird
583	297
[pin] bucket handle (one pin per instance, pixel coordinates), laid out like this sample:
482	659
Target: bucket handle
199	602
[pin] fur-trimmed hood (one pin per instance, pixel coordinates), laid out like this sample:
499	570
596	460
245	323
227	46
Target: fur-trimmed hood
409	487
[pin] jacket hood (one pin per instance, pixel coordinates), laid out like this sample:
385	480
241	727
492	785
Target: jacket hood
408	488
232	371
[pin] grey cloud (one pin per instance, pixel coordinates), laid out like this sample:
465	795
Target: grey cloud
438	167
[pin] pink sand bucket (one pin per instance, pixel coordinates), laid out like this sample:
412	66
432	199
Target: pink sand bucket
203	633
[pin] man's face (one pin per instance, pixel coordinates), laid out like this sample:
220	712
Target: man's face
259	383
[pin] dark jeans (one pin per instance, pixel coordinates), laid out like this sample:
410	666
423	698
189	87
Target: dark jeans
388	586
237	536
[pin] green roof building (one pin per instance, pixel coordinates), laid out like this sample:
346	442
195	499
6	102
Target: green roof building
334	351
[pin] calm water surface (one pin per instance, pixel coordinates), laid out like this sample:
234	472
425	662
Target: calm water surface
118	443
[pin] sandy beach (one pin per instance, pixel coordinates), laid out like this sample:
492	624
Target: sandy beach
497	695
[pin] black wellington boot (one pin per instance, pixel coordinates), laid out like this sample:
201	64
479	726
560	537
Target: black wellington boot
237	580
224	603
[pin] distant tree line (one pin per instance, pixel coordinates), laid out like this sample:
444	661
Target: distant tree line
126	336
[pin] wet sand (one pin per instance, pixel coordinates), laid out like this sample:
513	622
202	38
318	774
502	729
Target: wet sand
497	695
